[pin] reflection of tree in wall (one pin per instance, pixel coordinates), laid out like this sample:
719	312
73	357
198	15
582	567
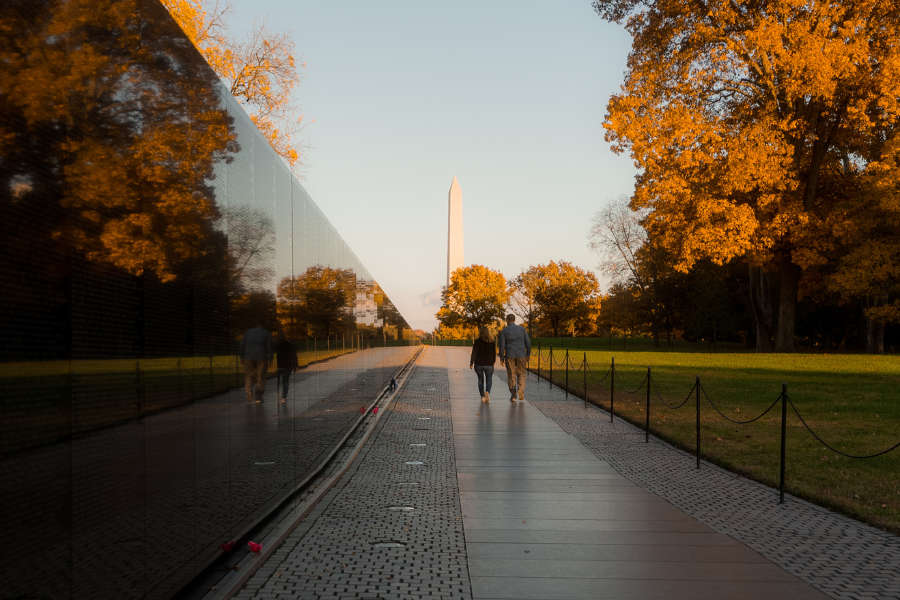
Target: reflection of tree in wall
251	247
111	126
143	129
318	303
251	244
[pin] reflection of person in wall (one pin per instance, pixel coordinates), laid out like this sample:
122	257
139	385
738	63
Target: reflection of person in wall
256	351
515	348
484	354
286	362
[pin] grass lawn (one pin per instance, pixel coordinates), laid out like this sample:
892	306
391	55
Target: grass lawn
851	401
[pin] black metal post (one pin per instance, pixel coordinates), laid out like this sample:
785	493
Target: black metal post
539	361
551	365
567	372
647	417
697	386
783	440
612	388
584	371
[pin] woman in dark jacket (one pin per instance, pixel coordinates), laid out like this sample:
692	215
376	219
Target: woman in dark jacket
484	353
286	357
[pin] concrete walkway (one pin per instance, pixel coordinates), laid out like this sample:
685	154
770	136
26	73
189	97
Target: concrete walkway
545	518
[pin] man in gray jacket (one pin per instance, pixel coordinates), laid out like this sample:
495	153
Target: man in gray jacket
256	351
515	348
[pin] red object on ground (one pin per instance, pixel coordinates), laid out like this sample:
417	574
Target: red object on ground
362	410
375	410
254	547
227	546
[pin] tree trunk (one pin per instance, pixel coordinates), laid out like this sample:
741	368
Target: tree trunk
762	308
668	330
874	329
656	332
787	306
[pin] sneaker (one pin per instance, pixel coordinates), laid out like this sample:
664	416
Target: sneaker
487	397
482	399
284	399
249	397
521	394
512	397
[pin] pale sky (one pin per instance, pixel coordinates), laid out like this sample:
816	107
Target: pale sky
508	96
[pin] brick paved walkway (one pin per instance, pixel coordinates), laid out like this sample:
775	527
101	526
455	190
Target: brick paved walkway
706	533
411	509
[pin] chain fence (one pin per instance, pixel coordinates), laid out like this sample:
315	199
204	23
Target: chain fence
649	384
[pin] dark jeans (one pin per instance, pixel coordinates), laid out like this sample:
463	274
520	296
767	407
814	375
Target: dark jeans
283	381
484	372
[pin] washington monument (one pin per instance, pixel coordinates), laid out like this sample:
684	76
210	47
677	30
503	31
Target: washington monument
454	230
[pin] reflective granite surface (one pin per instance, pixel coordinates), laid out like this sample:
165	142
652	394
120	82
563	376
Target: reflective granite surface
145	225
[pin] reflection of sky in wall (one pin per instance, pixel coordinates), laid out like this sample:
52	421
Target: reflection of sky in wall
314	239
507	95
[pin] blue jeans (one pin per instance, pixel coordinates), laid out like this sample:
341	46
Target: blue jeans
283	381
484	373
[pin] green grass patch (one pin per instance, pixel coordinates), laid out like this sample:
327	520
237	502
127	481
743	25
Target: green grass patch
851	401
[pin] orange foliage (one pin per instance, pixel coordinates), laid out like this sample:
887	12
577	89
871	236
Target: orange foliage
743	118
137	128
261	71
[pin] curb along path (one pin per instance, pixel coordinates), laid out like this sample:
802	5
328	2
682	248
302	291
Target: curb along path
411	510
844	558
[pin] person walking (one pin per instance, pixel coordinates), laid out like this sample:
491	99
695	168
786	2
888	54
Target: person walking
484	354
286	363
256	351
515	349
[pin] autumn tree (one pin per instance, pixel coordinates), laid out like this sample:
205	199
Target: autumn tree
619	311
260	70
742	116
521	298
868	266
631	259
564	293
476	296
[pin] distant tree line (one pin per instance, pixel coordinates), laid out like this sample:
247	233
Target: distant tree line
557	298
715	302
766	139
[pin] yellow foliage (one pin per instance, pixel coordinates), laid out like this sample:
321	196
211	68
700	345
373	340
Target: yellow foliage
131	129
734	112
261	71
476	296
